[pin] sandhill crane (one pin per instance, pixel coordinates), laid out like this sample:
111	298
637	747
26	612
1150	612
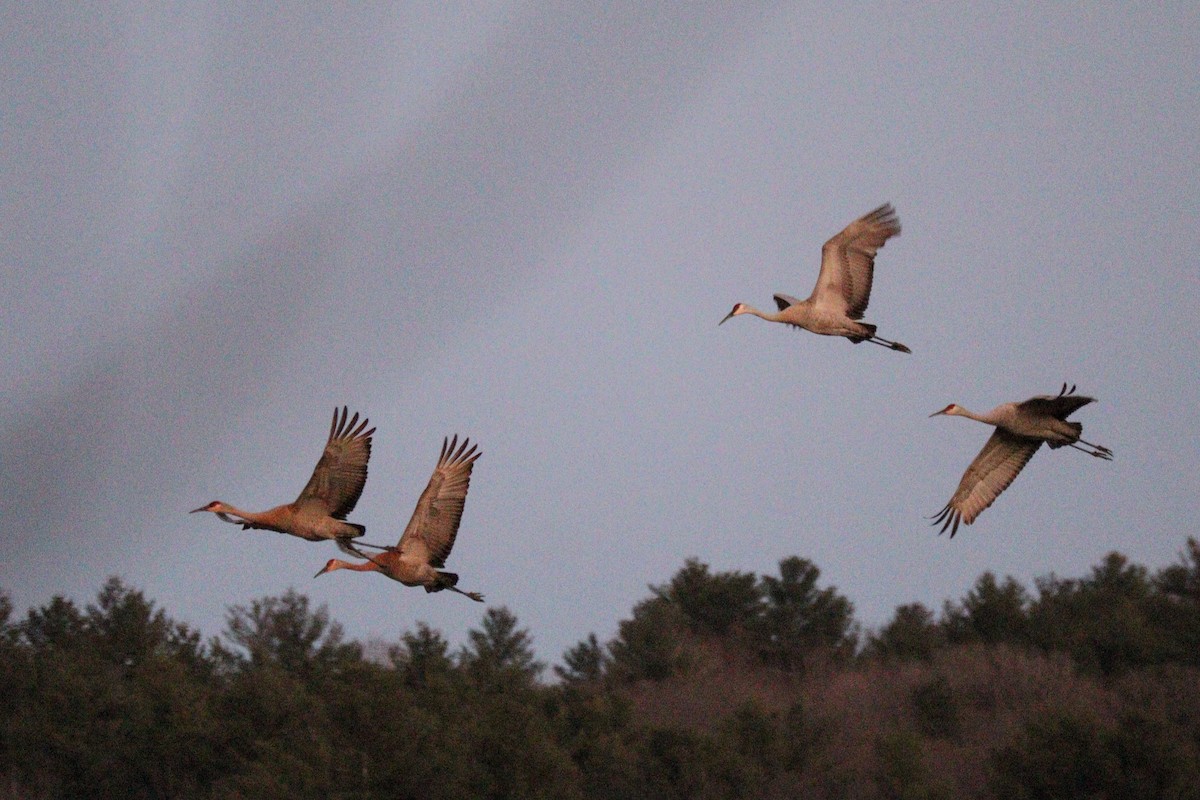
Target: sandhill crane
319	513
1020	430
843	286
430	534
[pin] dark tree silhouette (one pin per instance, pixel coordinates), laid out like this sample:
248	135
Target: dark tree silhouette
799	618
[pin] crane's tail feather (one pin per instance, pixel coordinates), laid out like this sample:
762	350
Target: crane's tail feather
344	542
1075	426
448	580
445	580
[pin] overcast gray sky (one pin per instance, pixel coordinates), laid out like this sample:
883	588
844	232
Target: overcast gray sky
521	222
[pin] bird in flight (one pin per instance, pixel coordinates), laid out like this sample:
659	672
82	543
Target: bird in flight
319	513
843	288
1020	430
418	557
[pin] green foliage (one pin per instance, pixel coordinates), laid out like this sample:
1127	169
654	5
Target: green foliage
799	618
1092	689
424	660
936	708
903	773
1176	607
991	612
57	626
783	619
1059	756
598	731
651	644
911	634
109	703
679	763
1108	621
586	662
795	738
282	632
1149	759
500	657
712	603
1064	755
1181	582
756	736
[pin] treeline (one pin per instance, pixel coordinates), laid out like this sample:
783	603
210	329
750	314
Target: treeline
719	684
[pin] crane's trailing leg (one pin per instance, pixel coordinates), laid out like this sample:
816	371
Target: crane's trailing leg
888	343
391	548
1098	452
350	547
476	596
1099	447
447	580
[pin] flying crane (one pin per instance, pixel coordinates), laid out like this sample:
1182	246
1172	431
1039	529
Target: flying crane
418	557
319	513
843	288
1021	428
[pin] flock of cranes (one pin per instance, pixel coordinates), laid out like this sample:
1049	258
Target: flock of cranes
319	513
835	308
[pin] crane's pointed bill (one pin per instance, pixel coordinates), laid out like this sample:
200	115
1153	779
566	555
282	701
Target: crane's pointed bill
730	314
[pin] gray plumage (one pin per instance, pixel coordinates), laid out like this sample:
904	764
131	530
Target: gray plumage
839	300
1021	428
319	512
418	557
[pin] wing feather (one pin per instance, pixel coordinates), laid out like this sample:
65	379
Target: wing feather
1061	405
848	262
341	473
434	525
997	465
785	301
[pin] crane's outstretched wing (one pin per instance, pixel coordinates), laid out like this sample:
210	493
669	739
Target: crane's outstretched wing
1061	405
338	480
785	300
848	262
434	525
996	466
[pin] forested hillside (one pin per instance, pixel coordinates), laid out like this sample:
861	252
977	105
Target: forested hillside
719	684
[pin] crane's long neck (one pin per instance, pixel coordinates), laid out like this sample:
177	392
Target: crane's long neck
228	512
360	566
768	316
986	419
